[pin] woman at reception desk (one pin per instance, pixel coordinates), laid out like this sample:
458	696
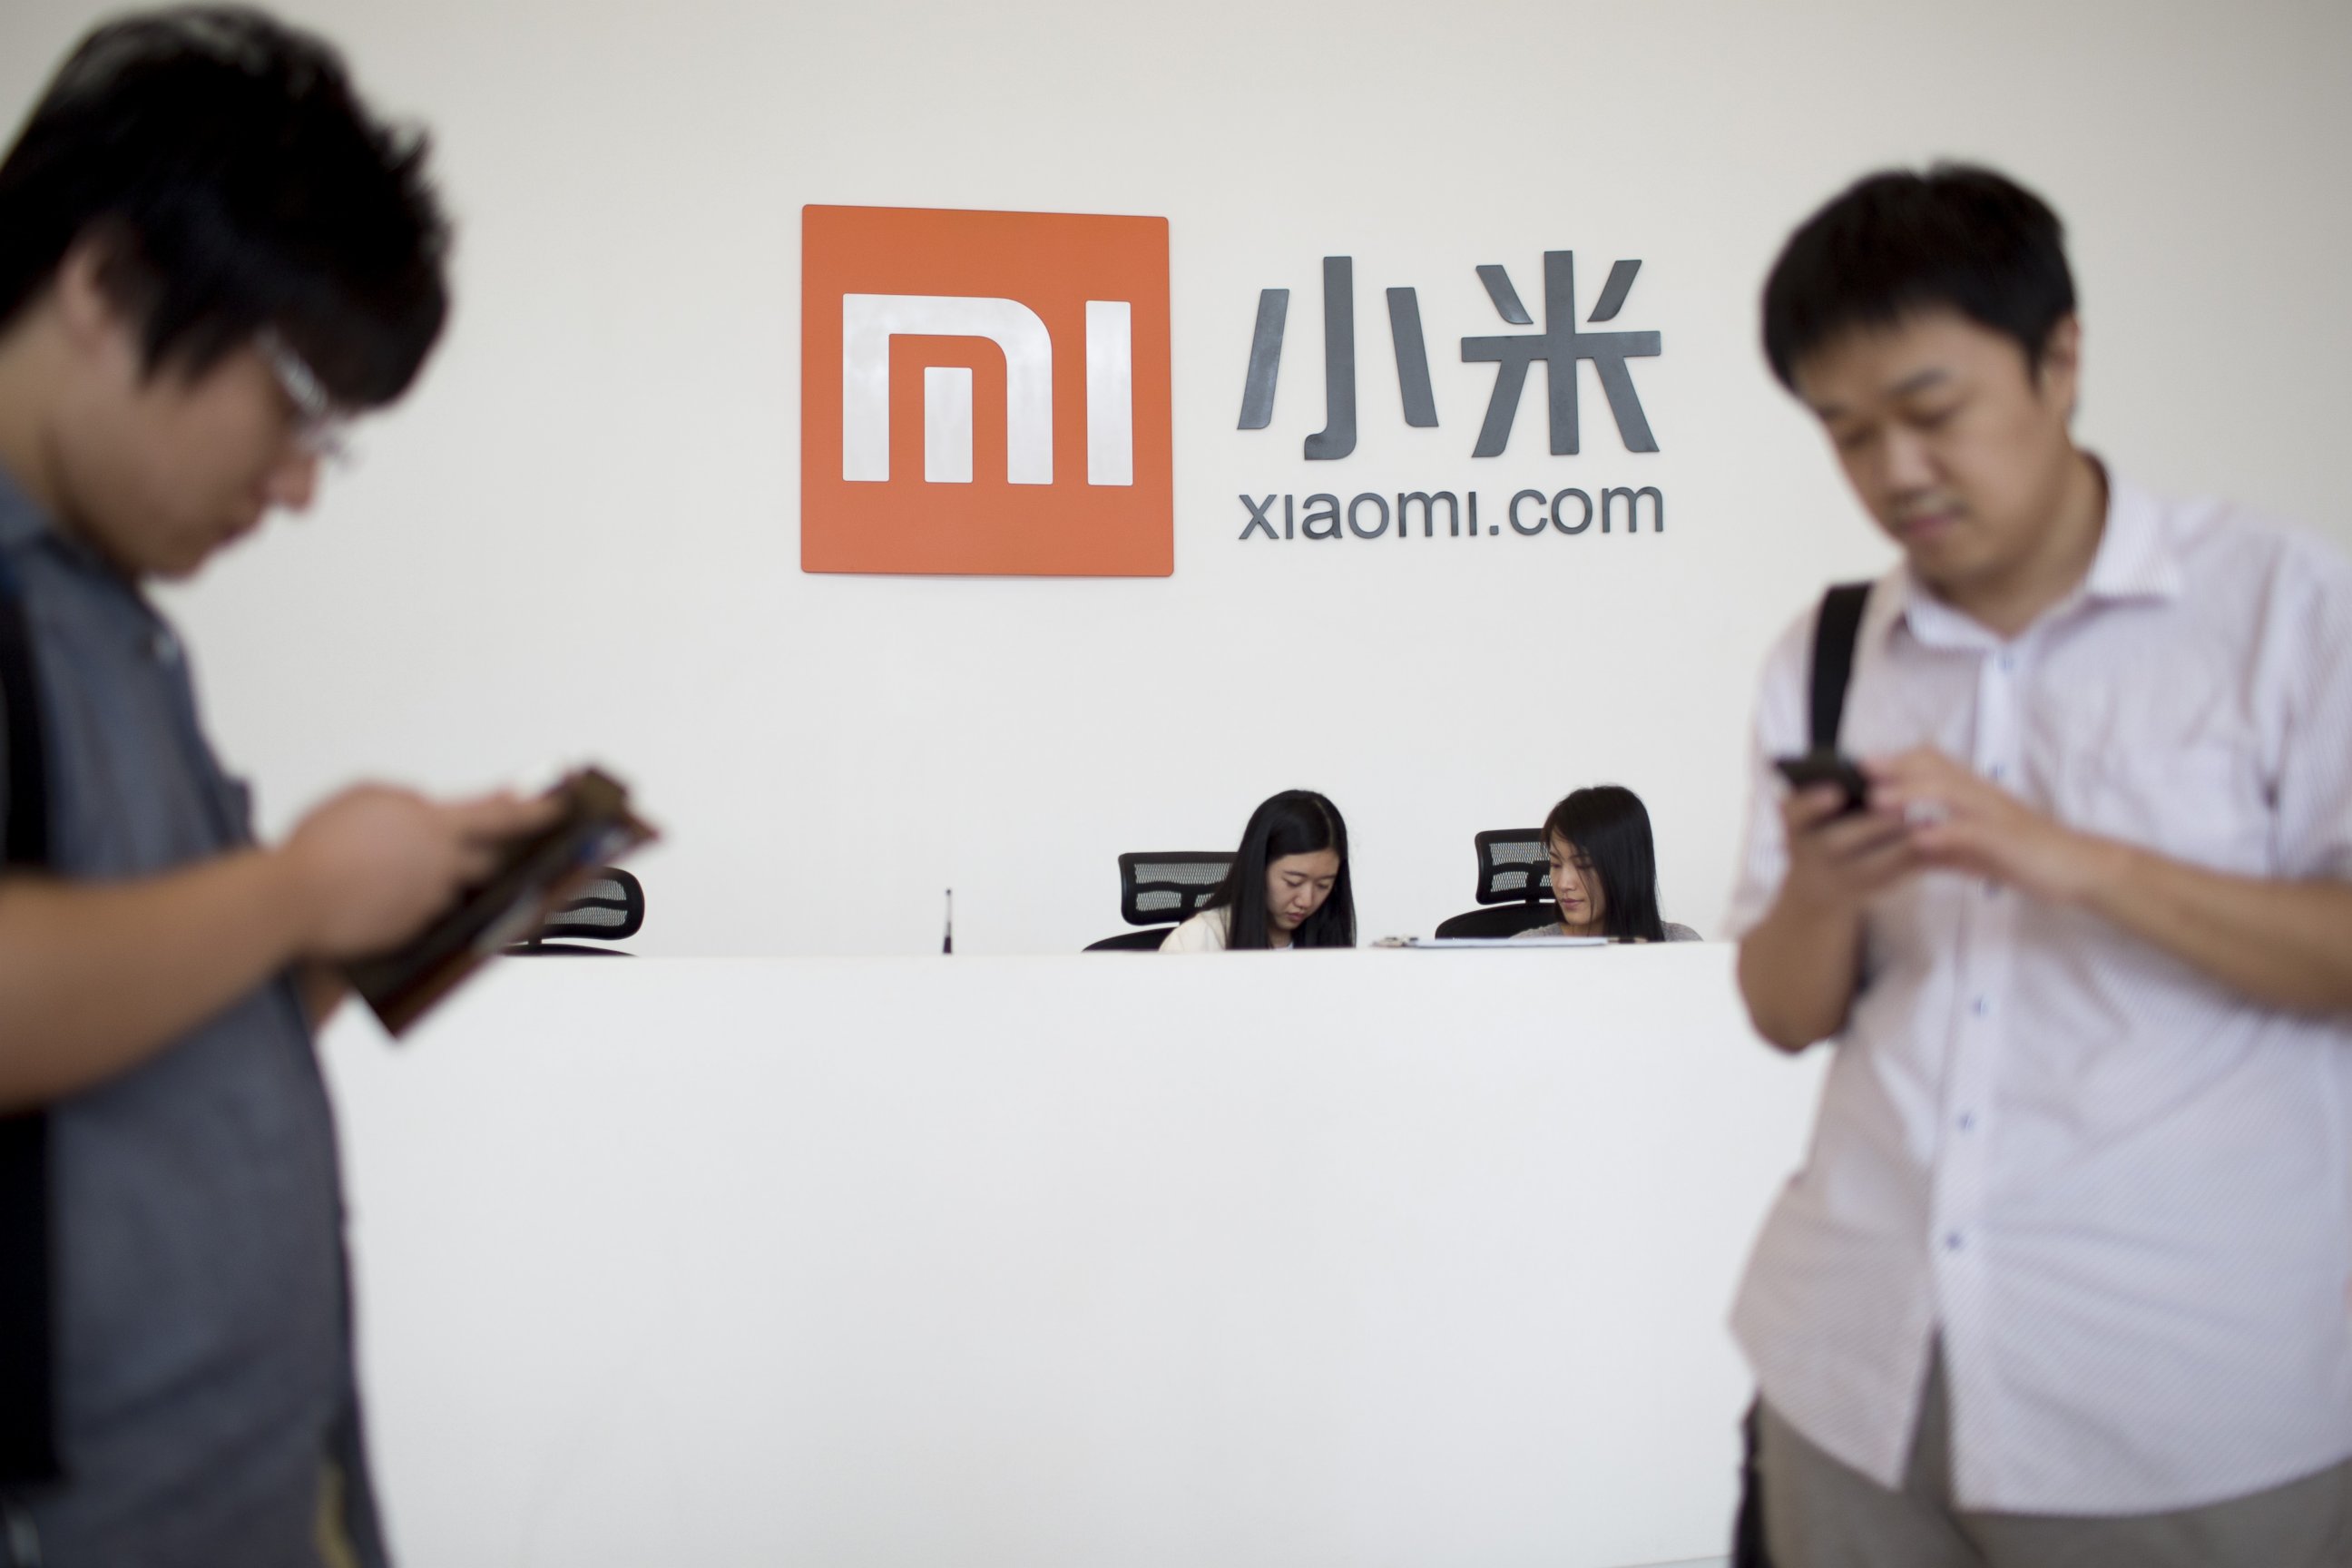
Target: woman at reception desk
1288	886
1604	868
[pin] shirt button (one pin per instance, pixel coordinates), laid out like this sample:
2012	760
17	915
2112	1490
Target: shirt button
1991	888
1980	1007
1953	1241
1967	1121
1995	772
2009	664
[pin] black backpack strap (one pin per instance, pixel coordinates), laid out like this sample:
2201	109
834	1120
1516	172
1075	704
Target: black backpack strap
1834	633
27	1393
27	841
1748	1546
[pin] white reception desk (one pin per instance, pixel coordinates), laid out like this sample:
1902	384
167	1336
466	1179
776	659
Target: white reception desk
1104	1261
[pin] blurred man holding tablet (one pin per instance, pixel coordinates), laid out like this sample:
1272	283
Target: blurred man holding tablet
209	254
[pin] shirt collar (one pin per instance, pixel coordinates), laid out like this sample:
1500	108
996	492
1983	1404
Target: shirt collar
2138	557
25	528
2138	561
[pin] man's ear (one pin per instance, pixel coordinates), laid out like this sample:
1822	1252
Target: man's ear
94	319
2058	374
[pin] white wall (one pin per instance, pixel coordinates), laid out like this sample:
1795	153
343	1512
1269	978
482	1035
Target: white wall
579	538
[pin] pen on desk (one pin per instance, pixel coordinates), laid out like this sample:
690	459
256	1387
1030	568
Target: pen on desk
947	942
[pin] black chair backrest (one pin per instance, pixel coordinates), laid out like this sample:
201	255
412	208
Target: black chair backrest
1513	873
1132	941
1157	888
1502	920
1512	867
608	907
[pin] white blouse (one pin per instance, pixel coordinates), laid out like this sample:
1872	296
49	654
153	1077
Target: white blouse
1211	930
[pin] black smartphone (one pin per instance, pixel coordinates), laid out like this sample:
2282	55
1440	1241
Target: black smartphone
1827	767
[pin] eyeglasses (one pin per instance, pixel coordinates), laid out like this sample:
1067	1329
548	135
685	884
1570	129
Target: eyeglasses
320	429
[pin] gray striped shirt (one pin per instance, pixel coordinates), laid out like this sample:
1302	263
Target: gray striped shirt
205	1369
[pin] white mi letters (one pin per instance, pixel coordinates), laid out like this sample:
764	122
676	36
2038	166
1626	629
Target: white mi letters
868	322
1111	393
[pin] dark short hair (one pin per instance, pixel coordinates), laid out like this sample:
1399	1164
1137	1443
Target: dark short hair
1296	822
1609	826
236	184
1897	243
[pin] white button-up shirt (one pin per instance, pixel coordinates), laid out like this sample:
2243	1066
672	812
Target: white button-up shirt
2120	1191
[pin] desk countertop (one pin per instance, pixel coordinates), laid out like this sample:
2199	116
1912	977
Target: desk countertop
1106	1259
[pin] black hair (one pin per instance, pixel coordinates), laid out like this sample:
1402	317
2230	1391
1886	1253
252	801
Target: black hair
1608	826
1896	243
233	183
1296	822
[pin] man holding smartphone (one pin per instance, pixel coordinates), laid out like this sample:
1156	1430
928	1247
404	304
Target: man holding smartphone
209	254
2064	1278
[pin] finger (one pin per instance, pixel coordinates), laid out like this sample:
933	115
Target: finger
1989	851
1919	765
1858	834
1806	809
1950	786
502	815
1882	865
473	860
1921	802
1959	845
1891	765
1959	793
1873	864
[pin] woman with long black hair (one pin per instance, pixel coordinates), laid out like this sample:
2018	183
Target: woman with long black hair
1288	886
1604	868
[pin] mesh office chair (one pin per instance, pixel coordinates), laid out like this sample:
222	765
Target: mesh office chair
609	907
1515	878
1162	890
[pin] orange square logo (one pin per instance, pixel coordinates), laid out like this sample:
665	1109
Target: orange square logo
984	393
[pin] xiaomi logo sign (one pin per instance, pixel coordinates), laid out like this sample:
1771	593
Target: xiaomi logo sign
984	393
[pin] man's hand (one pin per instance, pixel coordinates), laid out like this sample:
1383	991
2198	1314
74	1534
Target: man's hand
372	867
1957	821
2279	943
1838	863
95	977
1799	967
